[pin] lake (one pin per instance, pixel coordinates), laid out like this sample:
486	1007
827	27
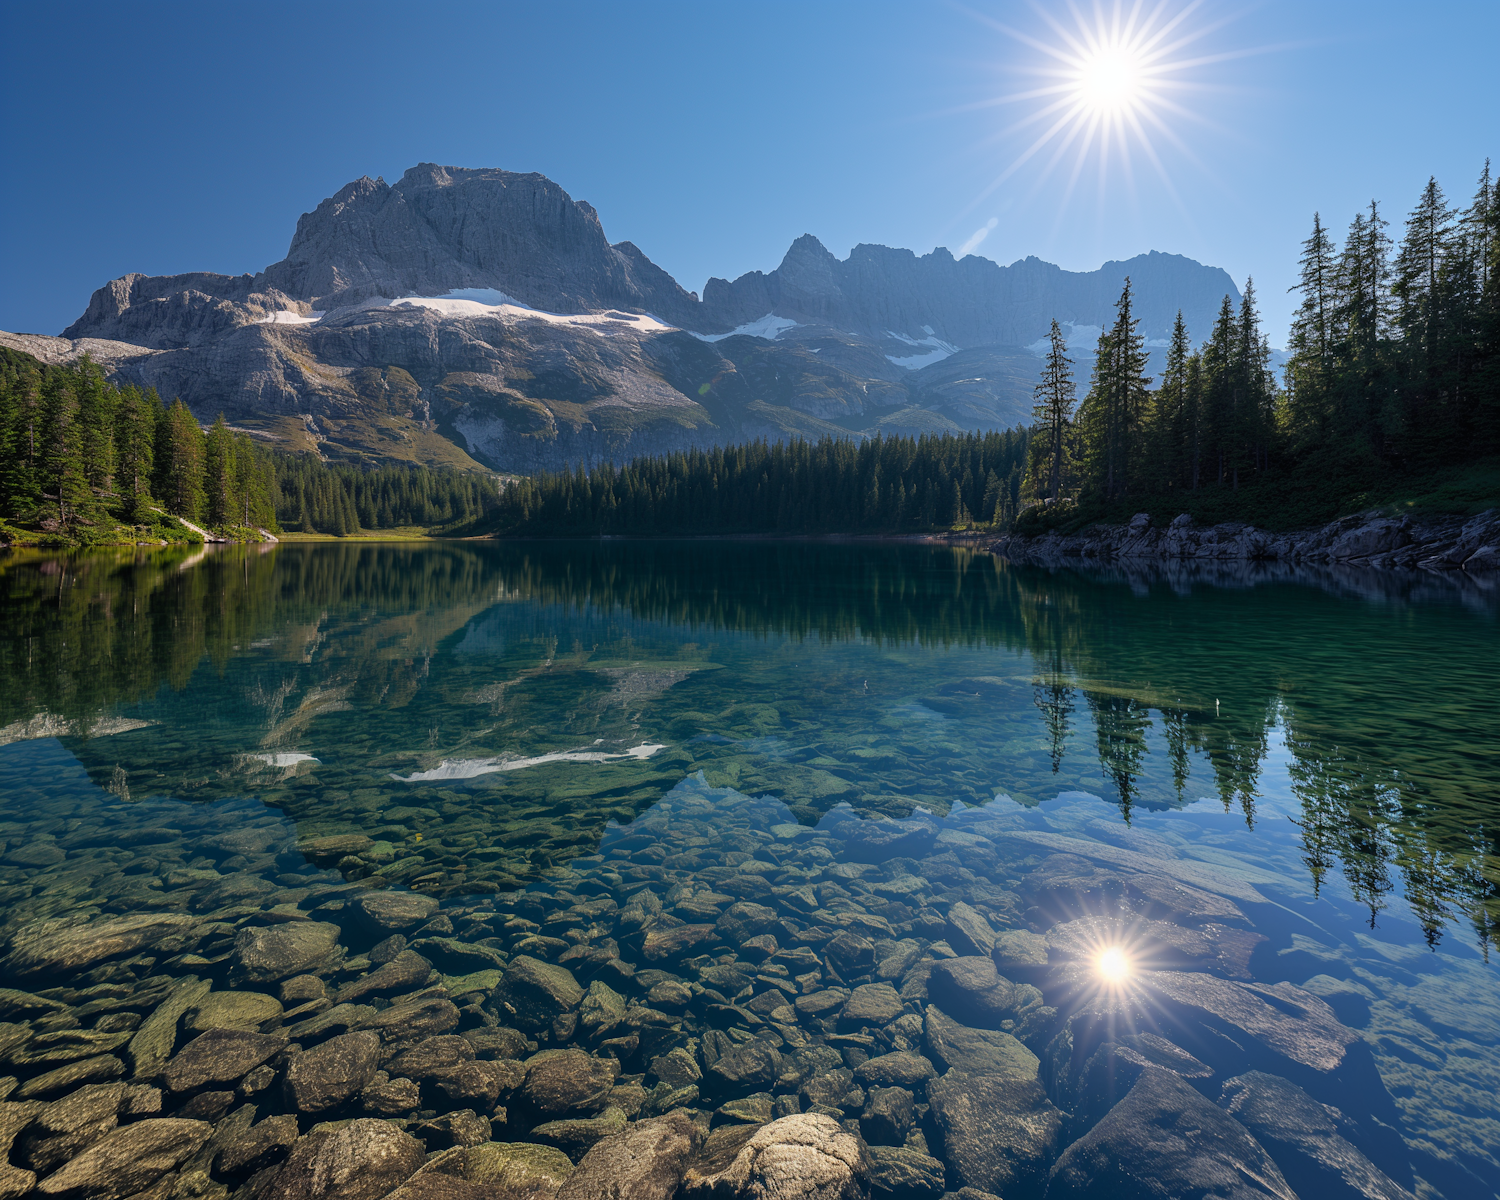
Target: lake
1029	880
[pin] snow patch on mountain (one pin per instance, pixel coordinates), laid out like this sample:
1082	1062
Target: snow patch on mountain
915	362
769	327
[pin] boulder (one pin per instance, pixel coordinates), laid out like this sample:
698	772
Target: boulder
233	1010
575	1137
872	1004
803	1157
258	1147
899	1069
60	1131
363	1160
887	1117
645	1162
968	932
534	992
60	947
568	1081
516	1170
127	1160
264	954
1307	1140
431	1055
743	921
1164	1139
1000	1132
977	1051
972	990
382	913
752	1067
897	1173
407	971
882	840
332	1072
223	1056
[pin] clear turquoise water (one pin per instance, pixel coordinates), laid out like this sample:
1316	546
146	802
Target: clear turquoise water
1329	742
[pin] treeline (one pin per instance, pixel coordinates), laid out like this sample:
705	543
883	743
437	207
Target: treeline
315	497
80	457
1394	369
883	484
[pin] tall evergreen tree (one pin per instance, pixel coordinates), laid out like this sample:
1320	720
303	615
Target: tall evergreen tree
1112	415
179	462
219	482
1310	366
1053	415
136	419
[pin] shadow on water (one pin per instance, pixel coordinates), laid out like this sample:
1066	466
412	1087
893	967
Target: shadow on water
386	694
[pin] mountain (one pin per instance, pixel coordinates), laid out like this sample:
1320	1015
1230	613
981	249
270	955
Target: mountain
481	318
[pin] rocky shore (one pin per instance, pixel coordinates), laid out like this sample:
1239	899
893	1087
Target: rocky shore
1367	539
720	1004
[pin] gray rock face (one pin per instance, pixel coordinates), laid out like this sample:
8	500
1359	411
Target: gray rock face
976	1051
646	1162
802	1157
1164	1139
364	1160
128	1160
1306	1140
328	1074
1000	1132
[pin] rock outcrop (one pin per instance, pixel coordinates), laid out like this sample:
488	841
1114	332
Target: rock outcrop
1365	539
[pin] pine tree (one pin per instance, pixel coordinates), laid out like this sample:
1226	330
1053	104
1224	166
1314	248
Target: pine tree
219	484
63	481
179	462
1172	421
1310	367
1113	413
1053	414
136	419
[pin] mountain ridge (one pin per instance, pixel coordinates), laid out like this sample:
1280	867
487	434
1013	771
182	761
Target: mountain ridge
481	317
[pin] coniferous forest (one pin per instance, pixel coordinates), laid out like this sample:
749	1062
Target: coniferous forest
85	462
836	485
1393	378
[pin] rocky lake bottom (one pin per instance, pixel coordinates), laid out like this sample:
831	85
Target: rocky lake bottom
439	873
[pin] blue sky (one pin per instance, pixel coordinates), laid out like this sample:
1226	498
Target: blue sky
164	138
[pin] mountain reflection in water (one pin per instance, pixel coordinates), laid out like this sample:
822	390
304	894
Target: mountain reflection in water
788	669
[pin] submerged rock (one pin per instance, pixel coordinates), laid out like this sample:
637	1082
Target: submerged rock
803	1157
645	1162
266	954
128	1160
1164	1139
363	1160
1306	1139
1000	1132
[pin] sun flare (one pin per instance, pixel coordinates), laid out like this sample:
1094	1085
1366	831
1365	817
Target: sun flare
1107	87
1109	79
1113	965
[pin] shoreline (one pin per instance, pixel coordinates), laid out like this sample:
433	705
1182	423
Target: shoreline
1369	539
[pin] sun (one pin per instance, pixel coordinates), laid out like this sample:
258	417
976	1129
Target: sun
1109	80
1112	84
1113	965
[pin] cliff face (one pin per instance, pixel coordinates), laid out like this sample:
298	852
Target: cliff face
482	317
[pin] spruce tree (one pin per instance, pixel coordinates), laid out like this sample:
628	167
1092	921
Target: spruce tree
1310	366
219	483
64	484
136	419
179	462
1053	413
1113	413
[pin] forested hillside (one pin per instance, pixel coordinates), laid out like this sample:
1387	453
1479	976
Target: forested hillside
85	462
1394	378
880	485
